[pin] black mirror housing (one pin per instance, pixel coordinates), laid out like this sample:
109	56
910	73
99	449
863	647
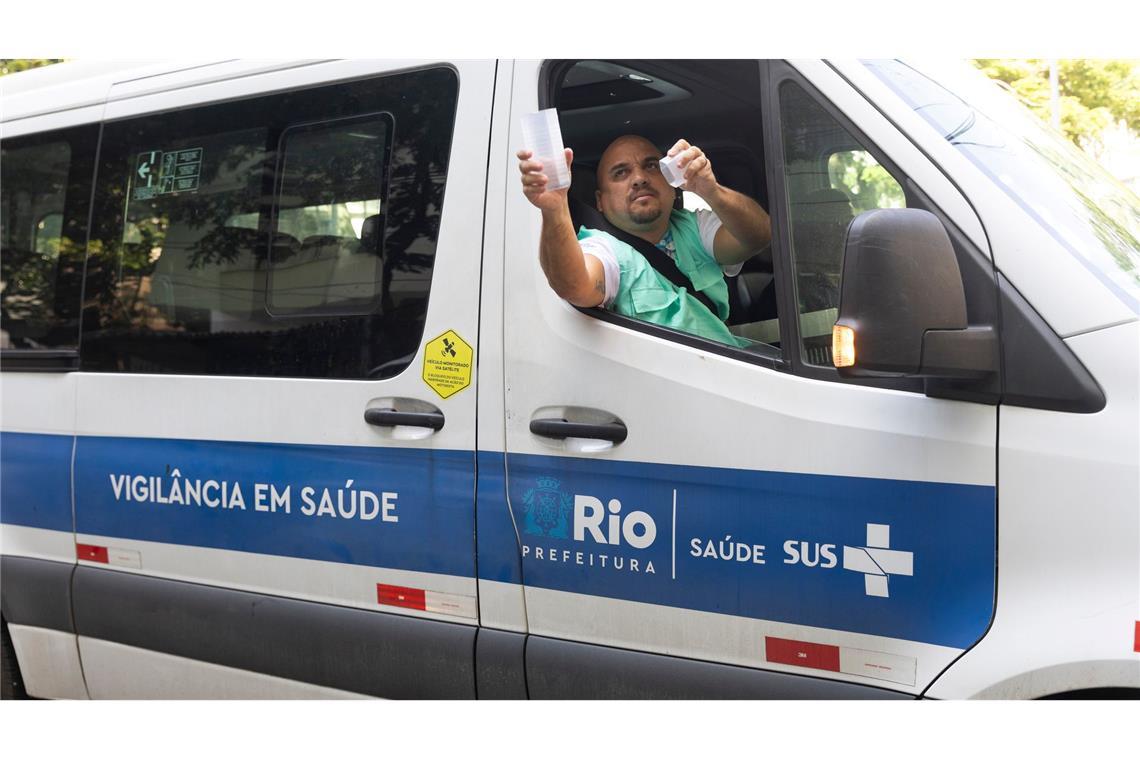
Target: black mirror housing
902	295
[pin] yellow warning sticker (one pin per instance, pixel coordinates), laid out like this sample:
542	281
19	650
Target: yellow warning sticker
447	364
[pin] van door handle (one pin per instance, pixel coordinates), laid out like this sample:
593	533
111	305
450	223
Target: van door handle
392	418
559	428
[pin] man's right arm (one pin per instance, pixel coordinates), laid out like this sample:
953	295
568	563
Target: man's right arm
572	274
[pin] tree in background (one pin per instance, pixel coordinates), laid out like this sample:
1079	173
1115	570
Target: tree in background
13	65
1095	94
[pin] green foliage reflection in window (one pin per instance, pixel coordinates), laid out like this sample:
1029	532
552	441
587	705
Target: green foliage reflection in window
865	181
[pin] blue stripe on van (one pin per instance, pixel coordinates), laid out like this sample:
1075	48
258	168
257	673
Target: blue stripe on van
35	482
498	542
838	528
796	544
126	487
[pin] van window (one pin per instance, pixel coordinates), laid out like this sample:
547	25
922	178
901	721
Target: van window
45	183
288	235
716	105
1086	210
864	181
830	178
322	166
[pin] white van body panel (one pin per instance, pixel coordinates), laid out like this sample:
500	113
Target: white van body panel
61	95
230	80
119	671
136	405
159	79
49	662
38	403
37	543
1068	542
61	119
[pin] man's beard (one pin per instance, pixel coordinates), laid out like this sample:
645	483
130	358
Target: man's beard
646	216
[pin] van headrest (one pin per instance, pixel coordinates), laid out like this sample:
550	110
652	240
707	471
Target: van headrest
827	204
819	222
370	234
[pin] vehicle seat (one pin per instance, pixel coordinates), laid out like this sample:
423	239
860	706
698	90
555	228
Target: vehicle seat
370	234
819	229
819	226
198	278
359	267
301	281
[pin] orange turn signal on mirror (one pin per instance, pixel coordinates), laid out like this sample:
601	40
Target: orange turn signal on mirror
842	346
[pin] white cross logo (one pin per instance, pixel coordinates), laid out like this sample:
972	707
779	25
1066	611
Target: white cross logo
877	560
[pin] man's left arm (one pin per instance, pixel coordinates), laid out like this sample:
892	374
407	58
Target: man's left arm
746	229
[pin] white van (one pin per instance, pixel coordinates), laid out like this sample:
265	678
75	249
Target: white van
289	409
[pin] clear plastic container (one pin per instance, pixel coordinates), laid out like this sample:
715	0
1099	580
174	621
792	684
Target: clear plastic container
542	136
673	174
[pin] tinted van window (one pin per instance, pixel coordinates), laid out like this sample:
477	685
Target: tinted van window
329	198
291	234
830	178
45	189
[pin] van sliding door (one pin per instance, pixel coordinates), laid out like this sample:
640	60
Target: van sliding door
276	430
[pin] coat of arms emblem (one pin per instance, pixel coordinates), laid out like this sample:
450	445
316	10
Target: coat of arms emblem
547	509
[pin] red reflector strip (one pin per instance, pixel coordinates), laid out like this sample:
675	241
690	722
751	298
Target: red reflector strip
801	653
398	596
91	553
1136	639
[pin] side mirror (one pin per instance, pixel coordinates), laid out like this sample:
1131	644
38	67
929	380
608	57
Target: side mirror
902	307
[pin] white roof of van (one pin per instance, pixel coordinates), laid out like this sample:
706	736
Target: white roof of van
66	72
75	84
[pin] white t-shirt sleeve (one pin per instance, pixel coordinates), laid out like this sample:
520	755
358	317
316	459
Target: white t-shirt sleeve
708	223
600	249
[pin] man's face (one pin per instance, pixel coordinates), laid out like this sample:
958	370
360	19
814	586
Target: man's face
632	193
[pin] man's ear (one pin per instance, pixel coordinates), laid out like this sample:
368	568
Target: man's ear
598	200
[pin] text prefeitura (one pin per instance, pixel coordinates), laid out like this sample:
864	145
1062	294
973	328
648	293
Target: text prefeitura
345	502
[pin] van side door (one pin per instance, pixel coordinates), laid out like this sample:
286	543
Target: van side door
762	528
275	462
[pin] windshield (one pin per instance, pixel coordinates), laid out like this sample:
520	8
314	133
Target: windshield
1088	212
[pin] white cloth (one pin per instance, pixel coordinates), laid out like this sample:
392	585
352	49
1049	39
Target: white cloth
599	247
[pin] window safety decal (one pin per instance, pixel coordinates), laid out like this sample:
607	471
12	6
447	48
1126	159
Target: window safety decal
162	173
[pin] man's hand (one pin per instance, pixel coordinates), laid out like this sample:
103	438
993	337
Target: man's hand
745	227
572	274
534	182
697	168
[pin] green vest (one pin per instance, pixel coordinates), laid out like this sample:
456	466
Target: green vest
646	294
